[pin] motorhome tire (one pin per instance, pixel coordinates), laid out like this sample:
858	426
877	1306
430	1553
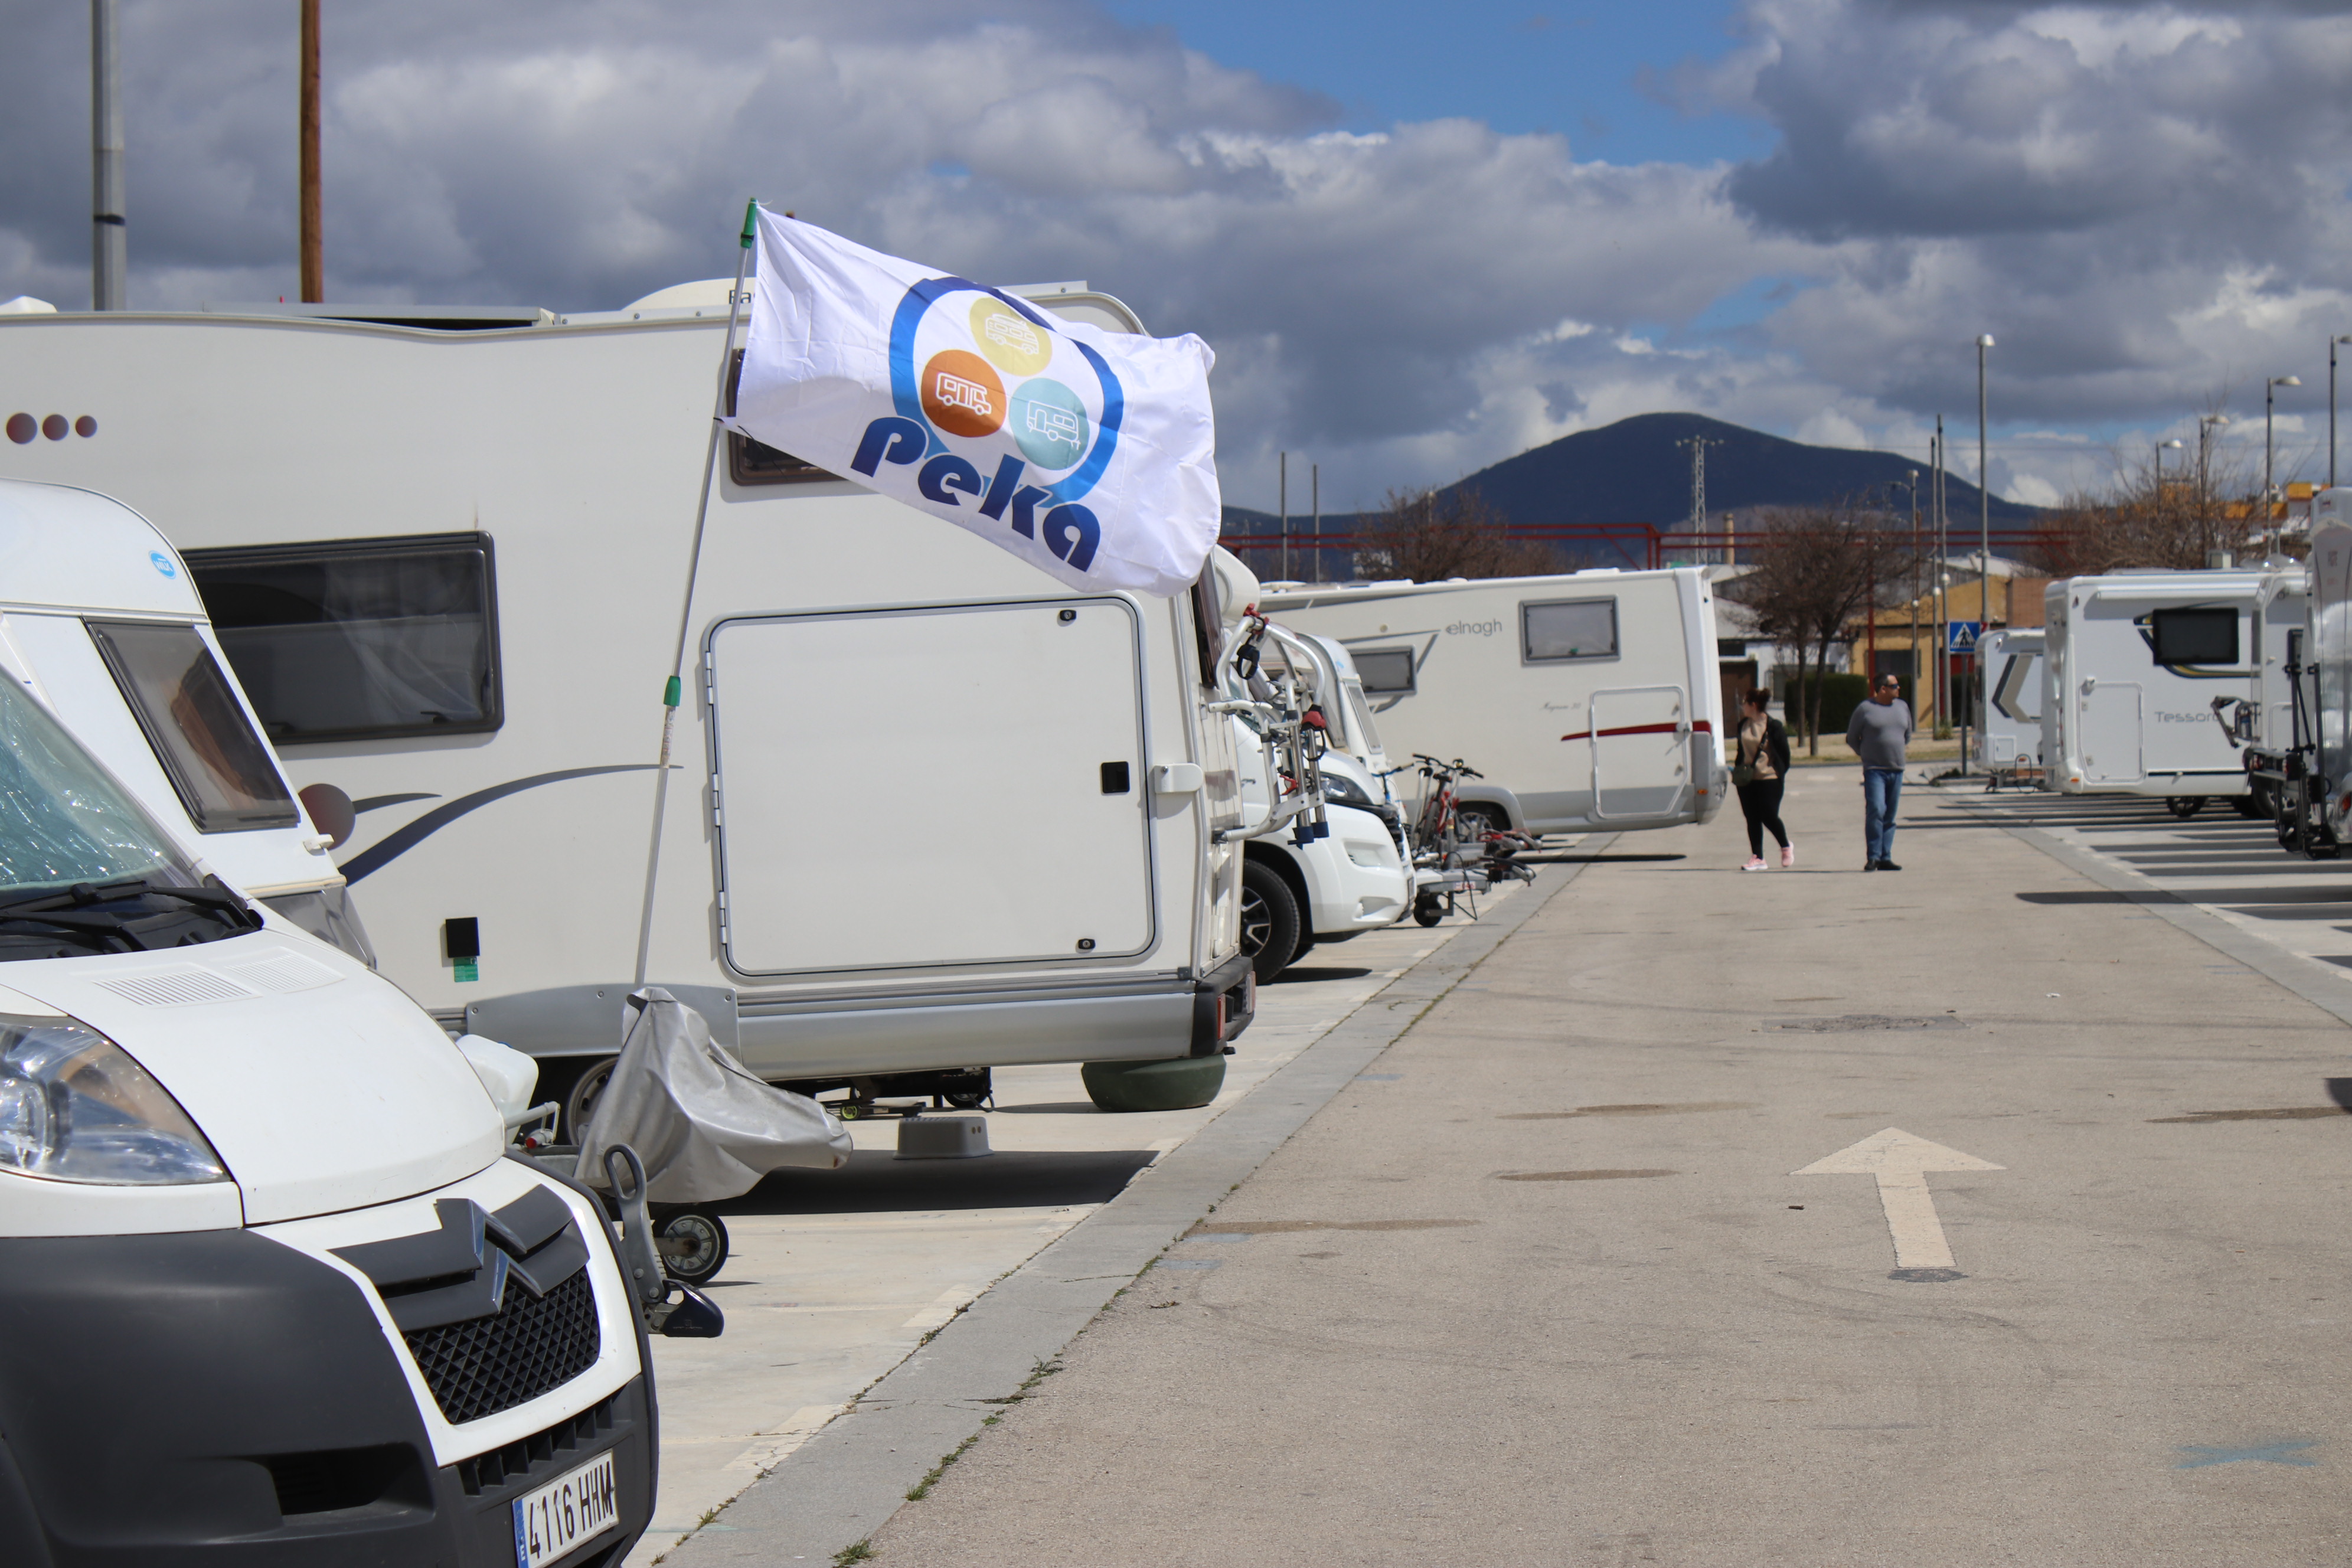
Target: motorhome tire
1270	923
2184	806
2248	806
1181	1084
693	1243
1428	910
580	1104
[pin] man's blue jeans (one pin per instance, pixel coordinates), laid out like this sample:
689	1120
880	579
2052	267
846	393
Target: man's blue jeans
1881	789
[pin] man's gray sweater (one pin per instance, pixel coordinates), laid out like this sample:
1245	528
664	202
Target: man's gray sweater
1878	731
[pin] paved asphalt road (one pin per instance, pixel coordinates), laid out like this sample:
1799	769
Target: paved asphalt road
1543	1287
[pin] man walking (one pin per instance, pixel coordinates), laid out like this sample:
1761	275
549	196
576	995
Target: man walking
1877	732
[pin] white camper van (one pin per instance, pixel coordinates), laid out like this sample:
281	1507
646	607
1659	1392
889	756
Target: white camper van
1588	701
100	621
275	1294
2010	722
2136	660
932	811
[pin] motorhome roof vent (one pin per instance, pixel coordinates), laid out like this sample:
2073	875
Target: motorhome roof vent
181	986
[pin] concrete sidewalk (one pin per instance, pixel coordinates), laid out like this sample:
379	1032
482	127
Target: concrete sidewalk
1539	1287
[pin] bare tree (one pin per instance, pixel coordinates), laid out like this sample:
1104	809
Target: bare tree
2206	500
1814	573
1428	536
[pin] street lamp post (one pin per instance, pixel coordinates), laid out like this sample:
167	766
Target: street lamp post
1984	543
2270	485
2161	449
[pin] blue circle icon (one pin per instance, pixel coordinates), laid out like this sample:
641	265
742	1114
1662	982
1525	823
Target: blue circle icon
1050	423
162	563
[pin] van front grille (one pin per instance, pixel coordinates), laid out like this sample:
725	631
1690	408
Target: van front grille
484	1366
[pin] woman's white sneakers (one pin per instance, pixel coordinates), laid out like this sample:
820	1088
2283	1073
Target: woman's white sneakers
1788	857
1755	863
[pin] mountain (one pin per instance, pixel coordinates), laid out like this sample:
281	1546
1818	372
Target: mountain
1636	472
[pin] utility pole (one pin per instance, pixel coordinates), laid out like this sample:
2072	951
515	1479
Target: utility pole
314	250
109	249
1943	671
1984	543
1282	489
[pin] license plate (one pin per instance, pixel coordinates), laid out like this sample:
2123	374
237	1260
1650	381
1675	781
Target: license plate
566	1512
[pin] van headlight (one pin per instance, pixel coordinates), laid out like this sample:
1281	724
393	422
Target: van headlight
1341	790
74	1107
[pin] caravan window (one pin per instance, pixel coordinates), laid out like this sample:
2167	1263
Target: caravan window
2202	635
751	462
1568	628
217	765
363	638
1385	671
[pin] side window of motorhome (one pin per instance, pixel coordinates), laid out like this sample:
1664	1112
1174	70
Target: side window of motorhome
751	462
1359	714
2203	636
1384	671
1207	623
364	638
217	765
1568	628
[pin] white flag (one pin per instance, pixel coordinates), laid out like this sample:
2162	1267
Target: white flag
1090	454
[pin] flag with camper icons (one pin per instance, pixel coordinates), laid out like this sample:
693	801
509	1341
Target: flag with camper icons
1091	454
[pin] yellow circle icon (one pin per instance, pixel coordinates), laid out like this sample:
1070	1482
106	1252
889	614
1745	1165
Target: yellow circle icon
1014	345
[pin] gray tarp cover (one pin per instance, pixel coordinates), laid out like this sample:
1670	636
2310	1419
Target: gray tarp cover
705	1128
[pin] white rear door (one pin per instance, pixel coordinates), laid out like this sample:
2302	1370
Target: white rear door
1640	751
2111	720
944	784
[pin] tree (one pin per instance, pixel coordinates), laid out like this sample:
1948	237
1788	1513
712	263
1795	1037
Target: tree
1428	535
1817	567
2205	502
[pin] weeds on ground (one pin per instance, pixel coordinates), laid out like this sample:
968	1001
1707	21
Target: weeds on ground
855	1551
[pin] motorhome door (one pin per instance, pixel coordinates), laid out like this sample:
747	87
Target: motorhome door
2111	740
946	784
1640	751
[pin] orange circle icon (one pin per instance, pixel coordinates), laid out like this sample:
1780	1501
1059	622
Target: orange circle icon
961	394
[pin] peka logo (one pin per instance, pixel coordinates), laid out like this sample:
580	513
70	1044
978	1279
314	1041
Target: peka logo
996	405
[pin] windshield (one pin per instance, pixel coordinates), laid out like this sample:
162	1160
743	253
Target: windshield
62	820
217	765
1359	719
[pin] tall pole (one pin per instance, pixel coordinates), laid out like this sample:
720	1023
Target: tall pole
1282	489
1984	539
2332	341
2269	484
1936	604
110	243
314	250
1315	499
1912	485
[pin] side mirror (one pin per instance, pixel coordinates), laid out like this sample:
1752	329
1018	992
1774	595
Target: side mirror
693	1316
331	812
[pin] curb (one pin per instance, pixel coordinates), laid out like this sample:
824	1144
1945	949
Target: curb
846	1482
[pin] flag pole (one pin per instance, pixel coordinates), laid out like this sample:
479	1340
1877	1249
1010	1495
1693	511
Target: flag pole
671	692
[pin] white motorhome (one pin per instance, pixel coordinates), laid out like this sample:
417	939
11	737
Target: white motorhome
2010	722
2136	661
2316	814
1590	700
100	621
933	812
280	1297
2271	726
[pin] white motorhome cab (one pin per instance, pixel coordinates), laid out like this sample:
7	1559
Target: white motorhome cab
100	622
274	1294
1335	884
932	812
2134	661
2010	720
1588	701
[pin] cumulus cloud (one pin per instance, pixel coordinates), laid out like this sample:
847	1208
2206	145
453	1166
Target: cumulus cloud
2142	203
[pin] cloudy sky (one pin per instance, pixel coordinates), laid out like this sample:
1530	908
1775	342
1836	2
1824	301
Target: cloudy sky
1419	238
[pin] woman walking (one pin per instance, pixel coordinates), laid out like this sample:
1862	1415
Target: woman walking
1760	772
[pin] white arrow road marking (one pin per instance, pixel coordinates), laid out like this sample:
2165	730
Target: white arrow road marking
1900	1164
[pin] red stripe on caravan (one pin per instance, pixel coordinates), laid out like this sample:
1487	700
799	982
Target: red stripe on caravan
1702	727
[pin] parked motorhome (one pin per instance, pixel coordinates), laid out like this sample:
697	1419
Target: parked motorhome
100	622
1588	701
932	812
2272	727
2136	660
2010	719
2315	815
277	1295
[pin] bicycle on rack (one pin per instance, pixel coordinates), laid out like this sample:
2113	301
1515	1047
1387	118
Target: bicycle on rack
1456	857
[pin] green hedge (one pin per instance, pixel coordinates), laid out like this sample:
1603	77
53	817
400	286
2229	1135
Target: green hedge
1841	695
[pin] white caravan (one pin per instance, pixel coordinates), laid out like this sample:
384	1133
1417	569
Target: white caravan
1589	700
2011	723
933	812
2136	661
100	621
